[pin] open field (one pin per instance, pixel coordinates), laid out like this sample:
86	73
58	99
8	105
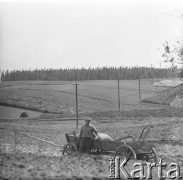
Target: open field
32	159
10	112
96	99
59	97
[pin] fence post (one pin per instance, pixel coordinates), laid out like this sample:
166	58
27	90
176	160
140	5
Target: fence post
118	98
139	91
139	85
152	81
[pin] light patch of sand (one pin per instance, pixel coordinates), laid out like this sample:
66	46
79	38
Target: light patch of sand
177	102
168	83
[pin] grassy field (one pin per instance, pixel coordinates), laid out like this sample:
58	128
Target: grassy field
32	159
59	97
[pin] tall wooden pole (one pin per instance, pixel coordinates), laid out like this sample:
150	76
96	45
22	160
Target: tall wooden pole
151	74
118	98
139	90
76	105
76	85
139	87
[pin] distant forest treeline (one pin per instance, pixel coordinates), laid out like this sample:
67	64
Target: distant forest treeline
76	74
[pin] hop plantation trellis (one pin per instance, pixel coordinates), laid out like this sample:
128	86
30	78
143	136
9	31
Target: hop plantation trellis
76	74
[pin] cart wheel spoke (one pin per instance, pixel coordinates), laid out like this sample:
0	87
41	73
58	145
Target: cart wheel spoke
69	149
129	154
151	156
125	151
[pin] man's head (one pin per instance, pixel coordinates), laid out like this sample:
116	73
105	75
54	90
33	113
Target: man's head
87	120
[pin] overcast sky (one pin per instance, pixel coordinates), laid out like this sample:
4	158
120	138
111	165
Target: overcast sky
61	34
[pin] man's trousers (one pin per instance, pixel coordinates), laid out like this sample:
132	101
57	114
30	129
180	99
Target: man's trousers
85	145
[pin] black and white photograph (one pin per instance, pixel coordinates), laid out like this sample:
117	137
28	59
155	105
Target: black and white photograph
91	89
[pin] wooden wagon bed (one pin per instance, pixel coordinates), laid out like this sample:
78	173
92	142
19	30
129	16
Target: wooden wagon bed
124	147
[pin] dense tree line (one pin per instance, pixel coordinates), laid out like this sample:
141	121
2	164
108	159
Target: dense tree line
79	74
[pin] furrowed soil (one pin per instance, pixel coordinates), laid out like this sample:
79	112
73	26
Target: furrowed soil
22	157
32	159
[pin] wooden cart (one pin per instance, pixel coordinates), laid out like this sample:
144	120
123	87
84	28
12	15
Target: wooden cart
123	147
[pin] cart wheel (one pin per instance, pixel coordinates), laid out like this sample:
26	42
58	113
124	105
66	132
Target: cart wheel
69	149
152	156
125	151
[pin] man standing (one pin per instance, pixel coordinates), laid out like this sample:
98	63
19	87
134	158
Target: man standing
86	137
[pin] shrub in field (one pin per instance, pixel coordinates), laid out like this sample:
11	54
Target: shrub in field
24	114
45	111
